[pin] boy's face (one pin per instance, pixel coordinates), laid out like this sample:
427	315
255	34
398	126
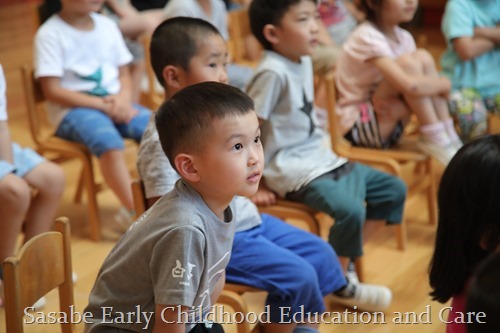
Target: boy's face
231	159
297	33
209	63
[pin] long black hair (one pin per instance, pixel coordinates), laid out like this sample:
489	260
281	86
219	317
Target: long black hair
469	216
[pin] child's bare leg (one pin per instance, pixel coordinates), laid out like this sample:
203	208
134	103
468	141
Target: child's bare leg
115	172
390	109
440	103
429	69
15	196
49	181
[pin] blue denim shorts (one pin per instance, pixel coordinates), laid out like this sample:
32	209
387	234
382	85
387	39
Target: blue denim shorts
97	131
25	160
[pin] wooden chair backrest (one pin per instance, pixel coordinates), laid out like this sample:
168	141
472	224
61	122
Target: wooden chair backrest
140	201
43	263
35	101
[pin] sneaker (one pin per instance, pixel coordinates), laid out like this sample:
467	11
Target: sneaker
40	304
442	154
367	297
123	219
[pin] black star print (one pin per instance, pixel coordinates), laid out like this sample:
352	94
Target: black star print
307	109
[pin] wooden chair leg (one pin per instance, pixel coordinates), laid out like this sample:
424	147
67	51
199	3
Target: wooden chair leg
401	234
431	192
93	209
79	189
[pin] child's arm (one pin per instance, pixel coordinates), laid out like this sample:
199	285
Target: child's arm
469	48
52	90
122	10
490	33
323	35
5	143
410	84
166	317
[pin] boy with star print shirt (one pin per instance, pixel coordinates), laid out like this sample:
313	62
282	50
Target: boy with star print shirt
298	164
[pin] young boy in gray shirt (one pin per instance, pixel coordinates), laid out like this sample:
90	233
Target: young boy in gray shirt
171	263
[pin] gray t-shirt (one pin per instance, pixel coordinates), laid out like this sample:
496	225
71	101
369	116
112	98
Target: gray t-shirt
294	148
174	254
159	177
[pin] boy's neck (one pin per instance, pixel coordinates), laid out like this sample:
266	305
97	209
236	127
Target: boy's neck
77	20
285	55
216	204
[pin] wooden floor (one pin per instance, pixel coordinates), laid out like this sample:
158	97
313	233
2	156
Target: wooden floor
404	272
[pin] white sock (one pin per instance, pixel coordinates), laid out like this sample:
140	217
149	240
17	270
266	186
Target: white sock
450	130
436	133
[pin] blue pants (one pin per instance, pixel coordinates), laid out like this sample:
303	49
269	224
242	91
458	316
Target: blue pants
363	193
295	267
97	131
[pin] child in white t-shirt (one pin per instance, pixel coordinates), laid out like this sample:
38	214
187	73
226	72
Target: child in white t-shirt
81	62
382	79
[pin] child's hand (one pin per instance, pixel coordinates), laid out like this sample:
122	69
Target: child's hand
122	111
264	196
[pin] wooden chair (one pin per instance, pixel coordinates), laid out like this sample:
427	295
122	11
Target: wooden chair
240	36
391	160
47	143
43	263
151	97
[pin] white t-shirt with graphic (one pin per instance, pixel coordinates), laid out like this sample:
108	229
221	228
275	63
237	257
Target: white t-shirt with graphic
85	61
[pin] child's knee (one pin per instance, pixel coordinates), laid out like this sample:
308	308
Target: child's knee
54	180
398	189
15	193
424	57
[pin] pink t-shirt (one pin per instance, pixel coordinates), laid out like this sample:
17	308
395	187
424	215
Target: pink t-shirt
458	306
355	78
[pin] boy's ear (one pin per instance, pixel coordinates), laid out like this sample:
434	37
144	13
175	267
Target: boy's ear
184	163
270	33
171	76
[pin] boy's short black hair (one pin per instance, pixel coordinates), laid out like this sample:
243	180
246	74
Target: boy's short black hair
175	42
182	120
484	296
263	12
